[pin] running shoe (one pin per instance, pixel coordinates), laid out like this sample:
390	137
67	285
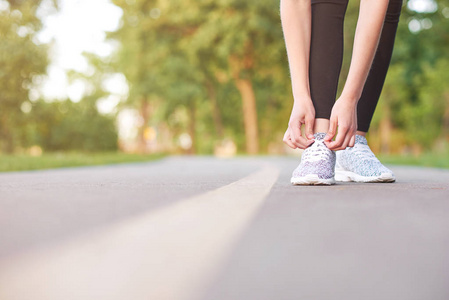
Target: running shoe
359	164
317	164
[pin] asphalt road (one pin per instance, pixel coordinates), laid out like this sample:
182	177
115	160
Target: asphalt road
202	228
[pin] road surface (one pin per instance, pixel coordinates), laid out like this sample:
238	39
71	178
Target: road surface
202	228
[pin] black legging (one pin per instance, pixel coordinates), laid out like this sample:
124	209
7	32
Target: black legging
326	56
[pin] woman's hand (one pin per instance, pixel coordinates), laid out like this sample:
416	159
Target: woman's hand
303	112
343	116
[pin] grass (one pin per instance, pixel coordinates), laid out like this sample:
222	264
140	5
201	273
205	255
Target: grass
423	160
21	162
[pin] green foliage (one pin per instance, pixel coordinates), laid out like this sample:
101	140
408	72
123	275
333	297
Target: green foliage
415	96
21	62
177	57
174	52
64	125
431	112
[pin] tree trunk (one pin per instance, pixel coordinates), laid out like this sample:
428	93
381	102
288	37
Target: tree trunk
7	142
445	123
249	115
441	143
245	87
385	128
145	114
192	127
216	115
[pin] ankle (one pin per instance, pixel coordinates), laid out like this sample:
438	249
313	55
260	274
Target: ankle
362	133
321	125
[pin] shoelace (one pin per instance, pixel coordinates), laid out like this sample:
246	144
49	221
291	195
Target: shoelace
364	152
316	152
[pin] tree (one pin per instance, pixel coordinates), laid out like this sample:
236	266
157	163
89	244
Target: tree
219	68
246	36
196	47
154	67
65	125
21	61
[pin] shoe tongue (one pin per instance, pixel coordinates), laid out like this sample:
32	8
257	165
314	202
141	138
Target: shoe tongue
319	136
360	139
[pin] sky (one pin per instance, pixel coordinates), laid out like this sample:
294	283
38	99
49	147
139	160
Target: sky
425	6
78	27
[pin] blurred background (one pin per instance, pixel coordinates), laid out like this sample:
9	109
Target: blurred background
196	77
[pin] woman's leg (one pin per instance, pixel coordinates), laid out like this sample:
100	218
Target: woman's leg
326	56
358	163
376	78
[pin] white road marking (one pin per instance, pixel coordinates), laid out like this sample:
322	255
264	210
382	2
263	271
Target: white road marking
172	253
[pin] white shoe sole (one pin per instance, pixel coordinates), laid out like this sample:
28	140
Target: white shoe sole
311	179
347	176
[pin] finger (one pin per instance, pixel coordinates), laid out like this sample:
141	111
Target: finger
303	143
346	142
348	137
295	131
332	130
339	139
297	138
352	141
309	128
287	139
290	144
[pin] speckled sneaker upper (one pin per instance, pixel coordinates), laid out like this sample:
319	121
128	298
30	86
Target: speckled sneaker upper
317	164
359	164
